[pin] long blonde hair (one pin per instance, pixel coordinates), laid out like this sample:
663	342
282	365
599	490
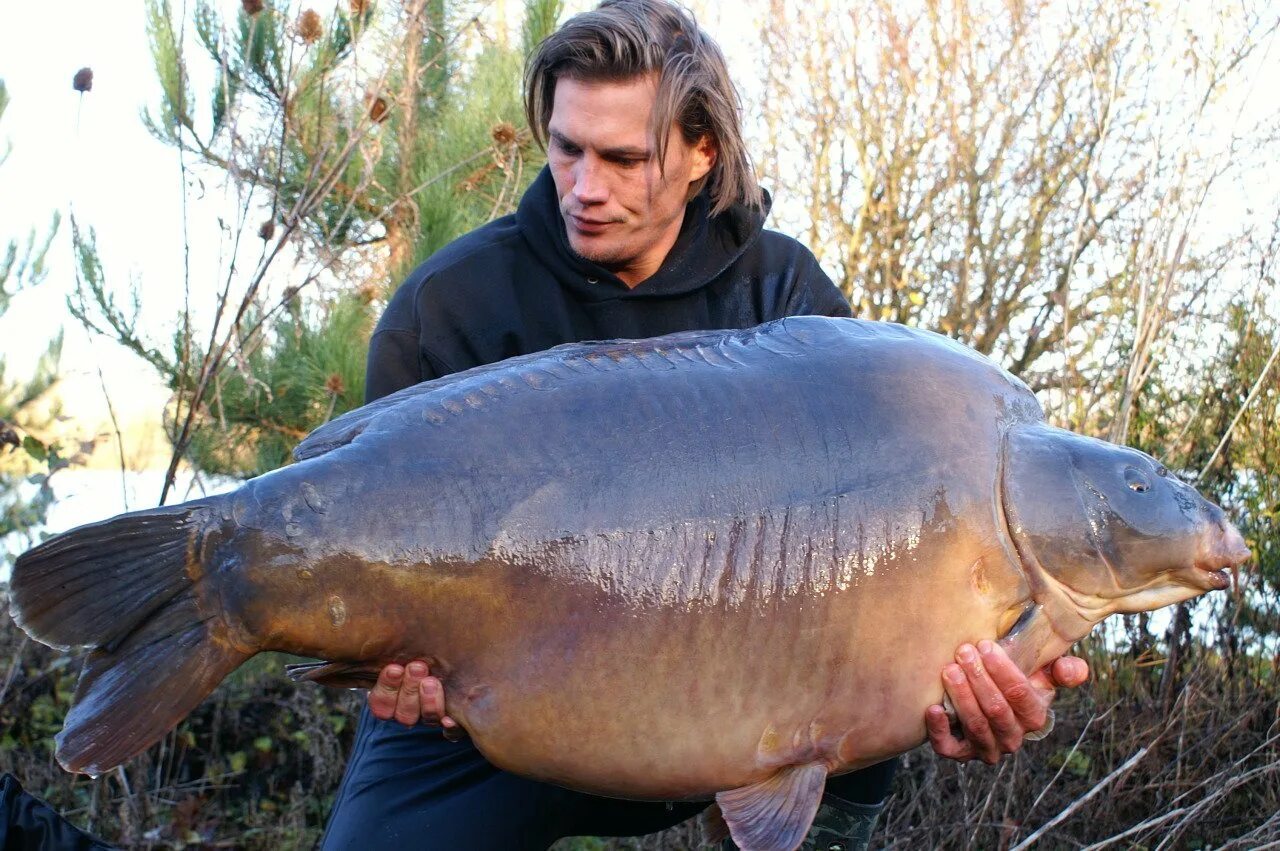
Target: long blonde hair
624	39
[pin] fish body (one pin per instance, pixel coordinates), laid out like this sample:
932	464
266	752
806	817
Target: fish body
709	564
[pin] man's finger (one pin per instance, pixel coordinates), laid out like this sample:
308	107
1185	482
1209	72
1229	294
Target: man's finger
382	697
1028	705
432	697
977	730
1005	726
408	699
1069	671
945	743
452	732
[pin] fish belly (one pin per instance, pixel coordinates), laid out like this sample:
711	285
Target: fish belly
583	686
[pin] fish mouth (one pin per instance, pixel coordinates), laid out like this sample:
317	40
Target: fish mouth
1218	565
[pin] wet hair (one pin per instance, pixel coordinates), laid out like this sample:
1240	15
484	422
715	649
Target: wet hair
625	39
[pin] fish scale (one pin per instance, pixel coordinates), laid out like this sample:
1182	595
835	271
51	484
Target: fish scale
767	543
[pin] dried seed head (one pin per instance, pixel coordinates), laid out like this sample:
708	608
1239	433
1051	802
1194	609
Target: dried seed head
472	181
8	435
367	292
358	7
334	384
377	106
503	133
405	213
310	28
290	293
267	230
83	80
251	7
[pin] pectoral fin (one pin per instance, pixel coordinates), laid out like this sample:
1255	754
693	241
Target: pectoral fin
774	814
714	830
334	674
1027	641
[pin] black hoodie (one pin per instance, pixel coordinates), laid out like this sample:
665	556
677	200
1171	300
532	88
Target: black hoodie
514	287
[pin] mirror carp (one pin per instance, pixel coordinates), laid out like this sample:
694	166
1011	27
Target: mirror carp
713	564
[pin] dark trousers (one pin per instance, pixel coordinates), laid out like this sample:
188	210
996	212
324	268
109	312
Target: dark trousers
29	824
409	787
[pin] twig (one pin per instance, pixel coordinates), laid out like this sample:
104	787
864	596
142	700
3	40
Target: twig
1207	802
1137	828
13	668
1248	400
1082	800
1065	763
124	482
1248	840
986	805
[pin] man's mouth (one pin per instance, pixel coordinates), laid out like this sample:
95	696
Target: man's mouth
588	225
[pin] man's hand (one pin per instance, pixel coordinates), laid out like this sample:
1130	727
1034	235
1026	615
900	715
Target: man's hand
996	703
409	694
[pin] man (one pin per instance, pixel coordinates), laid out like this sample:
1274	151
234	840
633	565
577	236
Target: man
647	220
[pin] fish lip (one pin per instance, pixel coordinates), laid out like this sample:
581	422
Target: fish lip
1209	579
1215	569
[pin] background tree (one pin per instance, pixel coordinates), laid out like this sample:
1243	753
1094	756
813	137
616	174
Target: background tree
1019	175
27	456
353	145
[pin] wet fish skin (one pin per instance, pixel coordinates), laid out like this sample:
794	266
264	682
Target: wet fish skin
651	569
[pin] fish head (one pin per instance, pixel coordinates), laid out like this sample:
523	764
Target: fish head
1110	525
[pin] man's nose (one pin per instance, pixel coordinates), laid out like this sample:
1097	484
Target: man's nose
589	184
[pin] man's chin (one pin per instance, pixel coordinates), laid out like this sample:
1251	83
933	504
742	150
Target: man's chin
602	255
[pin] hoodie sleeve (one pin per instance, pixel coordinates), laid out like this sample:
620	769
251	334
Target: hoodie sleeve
813	293
393	363
395	353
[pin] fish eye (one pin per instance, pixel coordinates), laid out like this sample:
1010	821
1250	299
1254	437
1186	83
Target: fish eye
1136	480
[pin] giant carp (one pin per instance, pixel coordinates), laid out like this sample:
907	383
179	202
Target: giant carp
654	569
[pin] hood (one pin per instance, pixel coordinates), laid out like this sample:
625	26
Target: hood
705	247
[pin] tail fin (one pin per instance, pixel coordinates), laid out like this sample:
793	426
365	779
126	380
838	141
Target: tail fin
126	588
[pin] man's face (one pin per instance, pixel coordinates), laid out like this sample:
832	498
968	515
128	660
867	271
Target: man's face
620	210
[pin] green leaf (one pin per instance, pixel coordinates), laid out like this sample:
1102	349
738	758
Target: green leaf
1076	762
35	448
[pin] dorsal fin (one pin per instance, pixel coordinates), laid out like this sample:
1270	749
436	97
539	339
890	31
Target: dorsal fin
774	814
346	428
